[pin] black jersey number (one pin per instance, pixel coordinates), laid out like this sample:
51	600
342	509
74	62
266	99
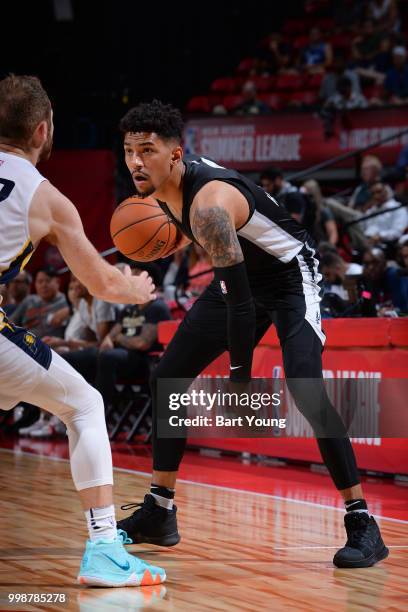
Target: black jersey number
6	187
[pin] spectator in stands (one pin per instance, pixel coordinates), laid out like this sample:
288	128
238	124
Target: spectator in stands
396	80
283	57
98	316
36	312
190	271
345	97
389	226
384	14
334	271
324	224
18	290
77	334
124	352
251	104
383	283
337	70
370	173
273	182
318	54
366	44
376	69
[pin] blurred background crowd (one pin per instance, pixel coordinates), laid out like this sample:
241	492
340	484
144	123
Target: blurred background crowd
327	57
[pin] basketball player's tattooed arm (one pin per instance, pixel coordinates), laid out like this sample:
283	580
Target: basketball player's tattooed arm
214	228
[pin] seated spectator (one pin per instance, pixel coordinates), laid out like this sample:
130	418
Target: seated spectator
334	73
376	68
389	226
36	312
318	54
18	290
396	79
383	283
77	334
123	354
345	98
273	182
370	173
366	44
384	14
334	271
324	225
284	57
191	270
251	105
98	317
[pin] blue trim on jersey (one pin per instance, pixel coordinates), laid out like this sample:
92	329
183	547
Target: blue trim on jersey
26	341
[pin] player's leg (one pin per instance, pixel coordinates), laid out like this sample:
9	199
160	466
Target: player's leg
30	371
200	338
302	348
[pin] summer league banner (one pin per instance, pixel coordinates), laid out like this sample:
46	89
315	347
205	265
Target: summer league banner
283	408
294	140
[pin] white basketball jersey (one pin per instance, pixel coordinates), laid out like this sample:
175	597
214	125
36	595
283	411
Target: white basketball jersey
19	180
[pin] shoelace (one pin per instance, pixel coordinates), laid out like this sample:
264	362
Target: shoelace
124	536
360	533
141	506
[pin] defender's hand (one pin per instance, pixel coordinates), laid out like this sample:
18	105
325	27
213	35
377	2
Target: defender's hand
143	286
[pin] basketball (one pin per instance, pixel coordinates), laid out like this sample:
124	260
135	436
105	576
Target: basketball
141	230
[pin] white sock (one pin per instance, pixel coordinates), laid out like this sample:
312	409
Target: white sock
101	523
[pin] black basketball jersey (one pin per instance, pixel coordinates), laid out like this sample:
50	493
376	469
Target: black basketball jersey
278	252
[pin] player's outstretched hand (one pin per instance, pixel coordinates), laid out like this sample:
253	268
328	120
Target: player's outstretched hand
143	286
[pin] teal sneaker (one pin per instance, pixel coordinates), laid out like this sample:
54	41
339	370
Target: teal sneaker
107	563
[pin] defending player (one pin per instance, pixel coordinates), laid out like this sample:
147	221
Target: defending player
266	270
32	209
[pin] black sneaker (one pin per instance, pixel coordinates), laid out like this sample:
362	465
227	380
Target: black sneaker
364	546
151	523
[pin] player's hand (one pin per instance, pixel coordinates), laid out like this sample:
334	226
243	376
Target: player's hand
143	286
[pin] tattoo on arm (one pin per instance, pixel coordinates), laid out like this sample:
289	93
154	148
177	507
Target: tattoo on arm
216	233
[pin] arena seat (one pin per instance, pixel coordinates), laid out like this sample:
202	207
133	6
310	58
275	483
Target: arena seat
274	100
226	85
245	65
289	82
231	101
198	104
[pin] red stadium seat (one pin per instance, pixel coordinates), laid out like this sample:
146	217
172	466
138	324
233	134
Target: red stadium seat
263	83
231	101
226	85
289	82
275	101
294	27
300	41
314	81
304	98
198	104
341	42
245	65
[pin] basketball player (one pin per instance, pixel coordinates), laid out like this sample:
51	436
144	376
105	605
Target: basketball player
266	270
32	209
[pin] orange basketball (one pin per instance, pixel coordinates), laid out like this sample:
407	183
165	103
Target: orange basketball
141	230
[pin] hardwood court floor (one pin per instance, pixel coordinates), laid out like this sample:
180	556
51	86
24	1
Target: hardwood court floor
239	550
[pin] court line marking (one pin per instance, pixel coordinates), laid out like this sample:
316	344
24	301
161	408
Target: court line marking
219	487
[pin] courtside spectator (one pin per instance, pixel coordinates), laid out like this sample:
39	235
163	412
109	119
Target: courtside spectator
191	271
18	290
396	80
383	283
77	334
36	312
124	352
371	168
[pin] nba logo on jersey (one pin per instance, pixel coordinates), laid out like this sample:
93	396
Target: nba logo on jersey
223	287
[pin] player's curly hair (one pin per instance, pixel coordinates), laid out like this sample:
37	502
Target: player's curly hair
163	119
